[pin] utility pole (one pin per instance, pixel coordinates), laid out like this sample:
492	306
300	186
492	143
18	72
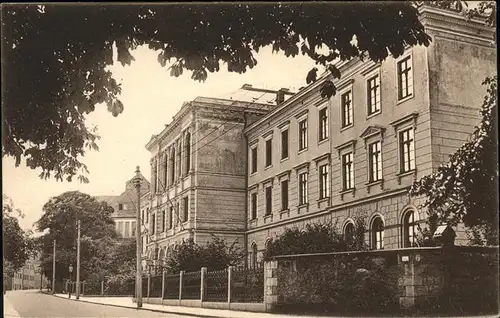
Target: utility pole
78	262
138	279
54	269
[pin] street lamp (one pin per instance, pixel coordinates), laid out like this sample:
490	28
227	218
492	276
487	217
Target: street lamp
70	268
138	278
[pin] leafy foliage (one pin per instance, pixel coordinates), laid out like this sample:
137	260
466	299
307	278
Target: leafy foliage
188	256
57	78
98	235
465	189
316	238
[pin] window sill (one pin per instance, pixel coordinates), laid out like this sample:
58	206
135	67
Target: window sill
371	184
347	191
378	112
285	159
268	167
322	141
268	218
346	127
302	150
407	98
253	173
303	208
253	221
325	199
406	173
284	212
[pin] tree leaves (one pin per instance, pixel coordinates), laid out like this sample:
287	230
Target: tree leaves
311	76
465	189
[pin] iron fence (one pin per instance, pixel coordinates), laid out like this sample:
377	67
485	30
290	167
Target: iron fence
91	288
247	284
216	283
119	288
156	285
144	286
171	287
191	284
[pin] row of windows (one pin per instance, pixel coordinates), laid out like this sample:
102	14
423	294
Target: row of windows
126	228
408	232
407	160
167	217
405	89
166	173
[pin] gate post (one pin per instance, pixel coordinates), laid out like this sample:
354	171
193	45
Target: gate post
149	284
163	285
229	281
181	275
102	288
203	283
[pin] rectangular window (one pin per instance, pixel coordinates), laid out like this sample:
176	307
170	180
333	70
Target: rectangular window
347	171
373	95
269	152
347	112
323	124
284	144
127	229
147	215
323	182
254	160
164	220
407	150
284	195
269	201
153	223
303	188
120	206
254	206
303	134
120	228
177	213
142	216
133	228
186	209
170	217
375	161
405	78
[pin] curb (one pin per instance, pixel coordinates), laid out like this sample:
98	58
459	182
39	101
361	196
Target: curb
147	309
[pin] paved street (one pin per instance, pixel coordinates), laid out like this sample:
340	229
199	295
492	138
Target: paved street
31	303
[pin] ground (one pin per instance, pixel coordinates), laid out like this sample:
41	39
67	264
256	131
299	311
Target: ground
32	303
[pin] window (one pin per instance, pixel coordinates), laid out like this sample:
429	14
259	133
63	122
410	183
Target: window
254	160
253	259
405	78
303	188
172	167
177	209
407	150
349	233
373	95
323	124
127	229
347	171
134	225
347	112
377	234
269	152
284	144
303	134
375	161
254	206
284	195
142	216
120	228
323	182
409	229
164	221
170	217
153	223
188	153
120	206
186	209
269	201
147	215
165	171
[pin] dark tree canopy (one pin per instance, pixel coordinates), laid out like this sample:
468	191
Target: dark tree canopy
55	57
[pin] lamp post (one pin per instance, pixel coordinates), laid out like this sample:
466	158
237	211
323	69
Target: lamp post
138	278
78	263
70	268
54	269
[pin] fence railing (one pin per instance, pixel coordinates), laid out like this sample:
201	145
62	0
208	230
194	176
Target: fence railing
217	286
155	286
172	286
191	285
247	284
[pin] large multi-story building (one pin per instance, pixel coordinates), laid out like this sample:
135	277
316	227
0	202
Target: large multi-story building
198	172
329	160
125	207
309	159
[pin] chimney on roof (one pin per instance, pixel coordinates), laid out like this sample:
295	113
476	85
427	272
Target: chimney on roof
246	86
280	96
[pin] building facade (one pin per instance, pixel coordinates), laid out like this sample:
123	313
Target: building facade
28	277
125	207
356	154
198	174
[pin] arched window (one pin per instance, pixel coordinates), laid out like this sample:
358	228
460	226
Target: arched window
349	233
187	143
409	229
377	233
165	170
172	167
253	256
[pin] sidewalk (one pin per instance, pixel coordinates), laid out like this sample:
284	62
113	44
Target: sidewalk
179	310
8	309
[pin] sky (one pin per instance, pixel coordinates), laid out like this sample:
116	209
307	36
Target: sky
151	98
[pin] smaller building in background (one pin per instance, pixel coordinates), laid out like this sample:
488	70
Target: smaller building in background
28	277
125	207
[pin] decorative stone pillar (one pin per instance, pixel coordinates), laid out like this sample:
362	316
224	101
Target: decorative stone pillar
270	284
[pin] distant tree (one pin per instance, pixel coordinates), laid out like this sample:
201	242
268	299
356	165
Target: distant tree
466	188
215	255
59	218
56	78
